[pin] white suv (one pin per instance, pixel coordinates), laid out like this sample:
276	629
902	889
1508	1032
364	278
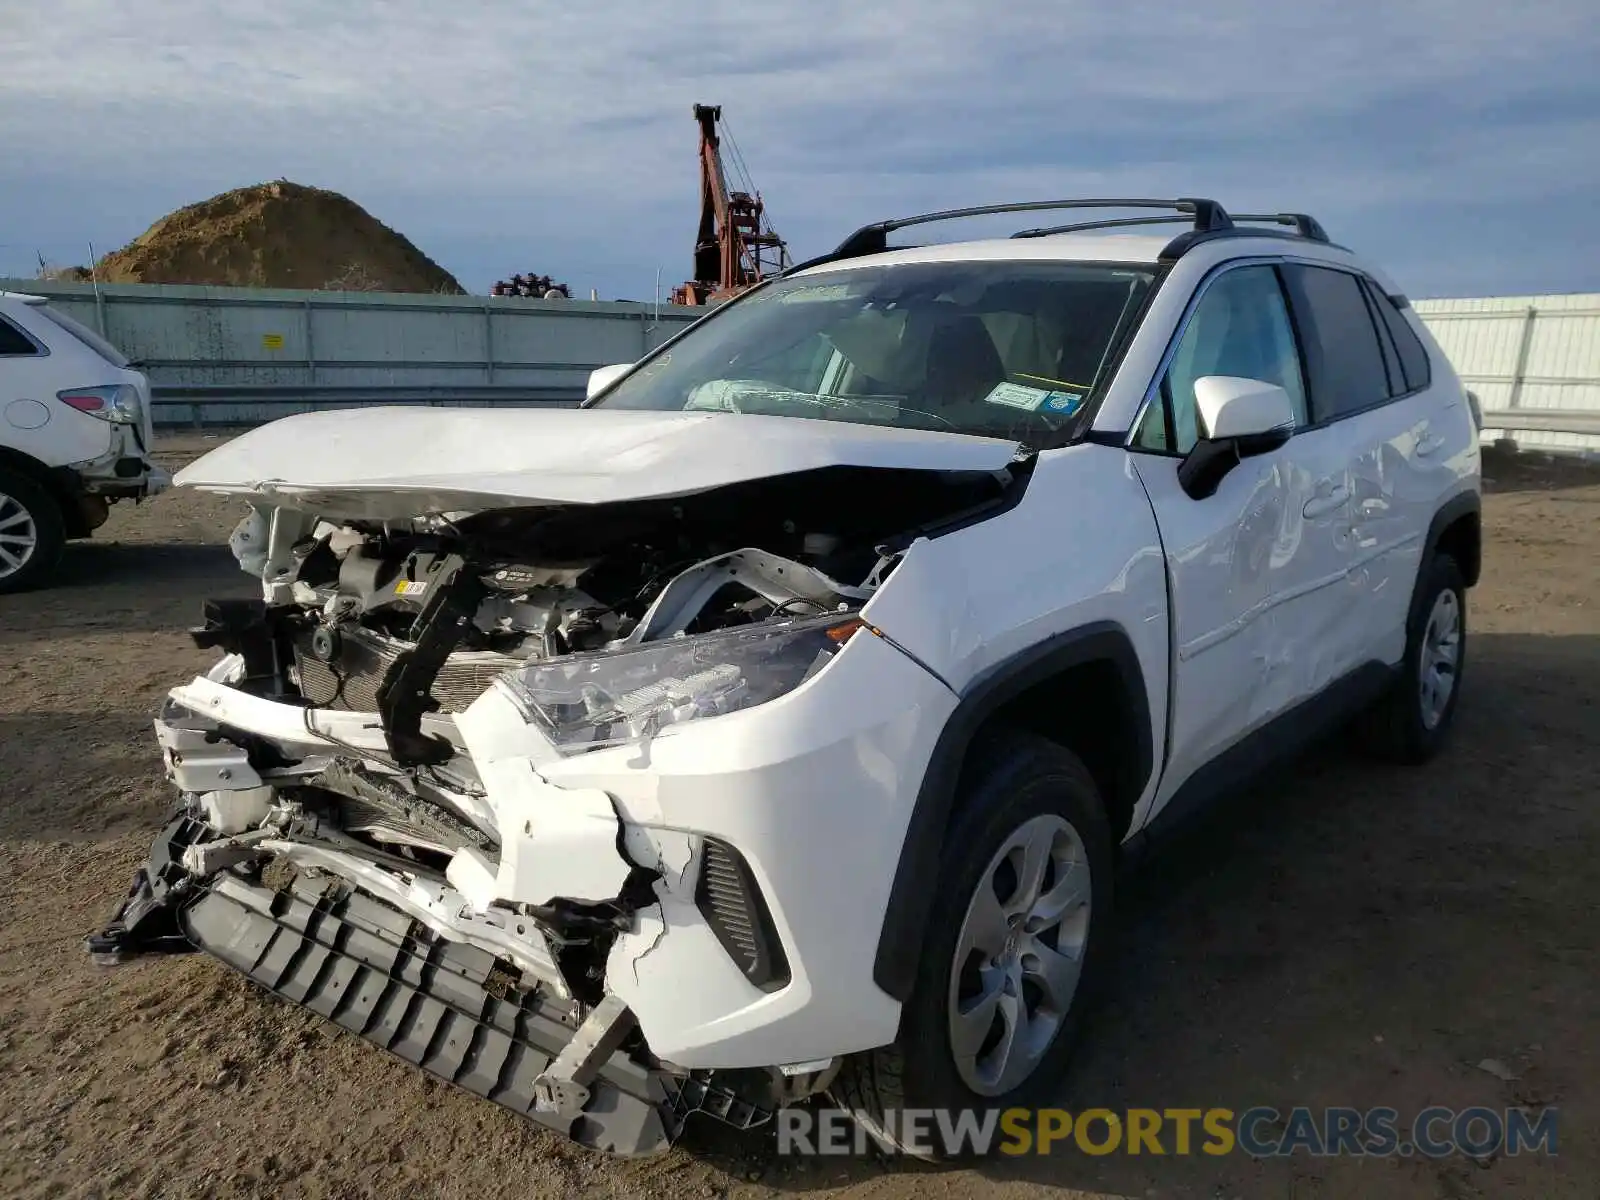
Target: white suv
75	436
773	725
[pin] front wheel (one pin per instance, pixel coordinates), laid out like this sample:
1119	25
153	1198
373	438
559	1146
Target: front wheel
1013	948
31	533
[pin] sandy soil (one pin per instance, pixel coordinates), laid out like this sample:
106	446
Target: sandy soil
1347	935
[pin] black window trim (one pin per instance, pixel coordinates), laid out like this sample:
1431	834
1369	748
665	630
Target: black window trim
1394	371
1152	393
40	350
1154	389
1374	291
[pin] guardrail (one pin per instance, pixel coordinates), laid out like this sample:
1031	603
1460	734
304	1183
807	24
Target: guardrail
199	406
1543	420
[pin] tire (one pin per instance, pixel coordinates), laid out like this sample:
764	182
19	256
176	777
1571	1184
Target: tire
1411	724
32	533
1016	785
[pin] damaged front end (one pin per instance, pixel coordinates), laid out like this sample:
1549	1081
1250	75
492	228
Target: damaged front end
365	825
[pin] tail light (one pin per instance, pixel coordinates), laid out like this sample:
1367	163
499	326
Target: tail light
117	402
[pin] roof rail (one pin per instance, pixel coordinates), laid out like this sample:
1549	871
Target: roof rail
1113	223
1304	224
1207	215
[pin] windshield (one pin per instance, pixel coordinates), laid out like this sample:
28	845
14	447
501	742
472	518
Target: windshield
998	349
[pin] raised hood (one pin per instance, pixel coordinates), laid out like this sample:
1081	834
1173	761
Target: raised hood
398	462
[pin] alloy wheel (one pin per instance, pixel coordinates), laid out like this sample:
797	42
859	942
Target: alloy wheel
1019	955
19	536
1441	657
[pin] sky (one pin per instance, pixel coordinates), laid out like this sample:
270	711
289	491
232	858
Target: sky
1455	144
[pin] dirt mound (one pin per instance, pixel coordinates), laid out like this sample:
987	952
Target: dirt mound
279	235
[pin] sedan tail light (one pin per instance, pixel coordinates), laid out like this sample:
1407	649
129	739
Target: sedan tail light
117	402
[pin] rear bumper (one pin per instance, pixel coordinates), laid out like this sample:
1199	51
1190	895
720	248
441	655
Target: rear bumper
129	478
446	1007
123	472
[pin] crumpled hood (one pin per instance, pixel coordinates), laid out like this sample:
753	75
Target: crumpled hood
397	462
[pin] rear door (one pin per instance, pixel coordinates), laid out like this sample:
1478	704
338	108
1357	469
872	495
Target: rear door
1255	569
1371	390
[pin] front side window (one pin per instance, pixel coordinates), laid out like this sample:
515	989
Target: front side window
1239	327
996	349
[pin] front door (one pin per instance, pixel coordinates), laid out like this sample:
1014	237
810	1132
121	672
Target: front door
1254	570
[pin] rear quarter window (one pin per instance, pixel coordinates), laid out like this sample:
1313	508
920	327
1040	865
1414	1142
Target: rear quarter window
14	343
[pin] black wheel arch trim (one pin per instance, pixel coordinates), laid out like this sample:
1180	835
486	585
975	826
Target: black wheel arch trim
1452	510
911	896
61	484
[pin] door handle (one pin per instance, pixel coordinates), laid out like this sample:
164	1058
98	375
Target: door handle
1430	444
1325	501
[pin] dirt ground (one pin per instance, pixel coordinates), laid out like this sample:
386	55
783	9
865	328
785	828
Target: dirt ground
1348	935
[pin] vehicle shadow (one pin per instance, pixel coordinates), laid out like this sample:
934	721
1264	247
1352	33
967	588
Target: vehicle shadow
92	564
1345	933
115	587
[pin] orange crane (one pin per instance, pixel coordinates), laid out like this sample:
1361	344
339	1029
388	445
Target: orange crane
736	248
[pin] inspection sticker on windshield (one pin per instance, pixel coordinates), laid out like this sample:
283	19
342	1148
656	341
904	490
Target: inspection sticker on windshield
1020	395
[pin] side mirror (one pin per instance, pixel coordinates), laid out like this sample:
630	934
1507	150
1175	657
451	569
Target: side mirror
1238	418
603	377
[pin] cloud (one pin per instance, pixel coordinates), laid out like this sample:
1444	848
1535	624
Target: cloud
506	135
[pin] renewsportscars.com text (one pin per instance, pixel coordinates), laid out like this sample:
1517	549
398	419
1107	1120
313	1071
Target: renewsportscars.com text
1261	1132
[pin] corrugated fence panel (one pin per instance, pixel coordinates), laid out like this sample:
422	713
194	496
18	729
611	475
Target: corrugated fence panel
247	355
1525	352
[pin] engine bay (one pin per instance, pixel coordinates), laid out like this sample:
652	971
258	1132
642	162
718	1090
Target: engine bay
415	620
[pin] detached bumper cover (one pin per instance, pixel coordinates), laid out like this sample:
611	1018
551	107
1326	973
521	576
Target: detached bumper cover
439	1005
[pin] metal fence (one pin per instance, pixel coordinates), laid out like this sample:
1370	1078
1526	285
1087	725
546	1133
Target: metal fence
1533	361
234	356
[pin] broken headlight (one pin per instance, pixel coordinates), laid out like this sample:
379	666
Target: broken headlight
607	698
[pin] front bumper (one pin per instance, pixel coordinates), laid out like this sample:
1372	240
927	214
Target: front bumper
796	809
446	1007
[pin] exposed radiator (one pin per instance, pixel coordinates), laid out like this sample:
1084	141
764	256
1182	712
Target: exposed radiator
352	680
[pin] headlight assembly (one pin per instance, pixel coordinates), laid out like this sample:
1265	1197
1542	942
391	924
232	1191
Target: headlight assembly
607	698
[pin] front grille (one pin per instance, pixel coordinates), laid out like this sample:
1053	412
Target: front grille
732	904
352	679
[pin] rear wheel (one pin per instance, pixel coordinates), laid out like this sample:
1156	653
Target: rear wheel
31	533
1412	721
1013	946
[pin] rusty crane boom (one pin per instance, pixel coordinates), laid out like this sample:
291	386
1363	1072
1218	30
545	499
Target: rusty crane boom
736	248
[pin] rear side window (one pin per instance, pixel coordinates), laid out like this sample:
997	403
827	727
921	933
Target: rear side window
85	335
1343	353
13	342
1414	369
